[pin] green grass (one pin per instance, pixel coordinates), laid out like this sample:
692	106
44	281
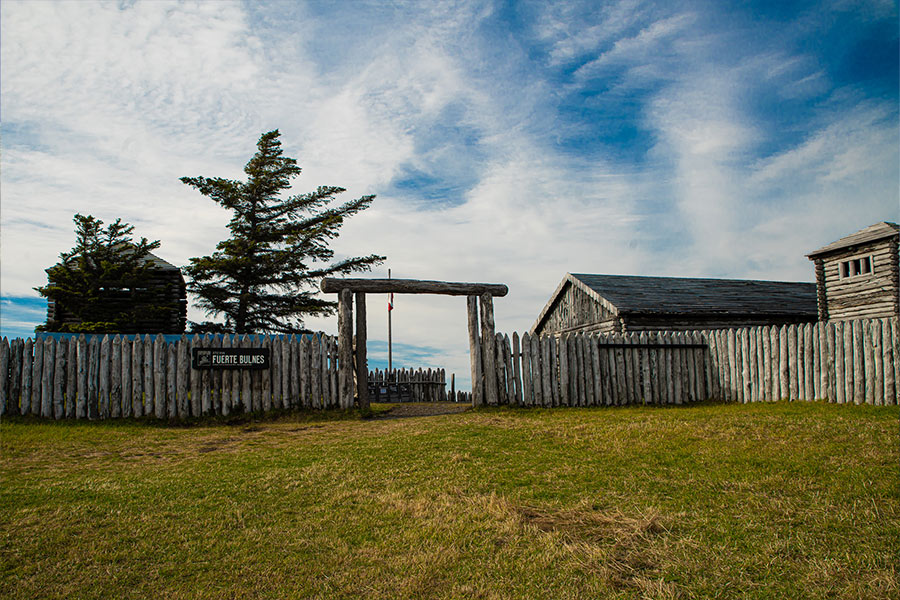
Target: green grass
779	500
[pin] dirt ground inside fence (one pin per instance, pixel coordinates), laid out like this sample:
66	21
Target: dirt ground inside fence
404	410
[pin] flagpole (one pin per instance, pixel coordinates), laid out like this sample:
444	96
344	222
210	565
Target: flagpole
390	342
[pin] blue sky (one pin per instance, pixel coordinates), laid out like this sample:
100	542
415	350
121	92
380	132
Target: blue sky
507	142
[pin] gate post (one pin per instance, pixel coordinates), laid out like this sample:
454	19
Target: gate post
345	348
488	350
474	351
362	365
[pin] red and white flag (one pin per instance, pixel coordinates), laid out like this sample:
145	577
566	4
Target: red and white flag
391	302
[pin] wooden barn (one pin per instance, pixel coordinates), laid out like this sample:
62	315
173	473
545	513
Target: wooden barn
166	294
857	277
624	303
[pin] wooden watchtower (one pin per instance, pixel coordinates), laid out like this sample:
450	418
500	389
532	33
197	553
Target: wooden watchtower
857	277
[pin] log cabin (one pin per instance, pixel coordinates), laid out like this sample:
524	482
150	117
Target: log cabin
626	303
857	276
167	295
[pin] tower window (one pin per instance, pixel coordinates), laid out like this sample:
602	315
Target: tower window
856	266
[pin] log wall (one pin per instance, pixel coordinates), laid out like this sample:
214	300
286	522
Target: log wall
409	385
844	362
124	377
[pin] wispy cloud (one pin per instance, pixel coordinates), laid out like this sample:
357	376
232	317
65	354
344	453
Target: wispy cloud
506	143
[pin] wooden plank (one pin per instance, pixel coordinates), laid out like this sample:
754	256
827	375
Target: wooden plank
345	347
890	389
81	362
37	371
829	365
304	362
286	388
627	371
848	361
766	340
137	377
877	361
171	350
840	387
895	350
527	383
809	373
147	369
93	383
4	376
750	366
702	366
275	370
553	375
537	379
474	350
596	375
859	389
266	376
103	369
645	368
160	385
746	366
618	367
869	362
510	389
800	369
16	351
488	355
196	381
333	371
248	402
517	369
216	379
49	362
816	360
332	285
59	378
576	369
726	354
546	369
115	377
182	378
315	374
676	368
206	405
587	370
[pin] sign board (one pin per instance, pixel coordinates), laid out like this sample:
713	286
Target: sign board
230	358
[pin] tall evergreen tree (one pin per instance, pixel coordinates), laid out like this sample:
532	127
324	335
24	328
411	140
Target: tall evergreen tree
263	278
101	283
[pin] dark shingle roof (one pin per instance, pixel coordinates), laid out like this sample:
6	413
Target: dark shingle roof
871	233
631	294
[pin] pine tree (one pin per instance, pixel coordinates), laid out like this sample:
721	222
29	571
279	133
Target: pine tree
101	283
263	277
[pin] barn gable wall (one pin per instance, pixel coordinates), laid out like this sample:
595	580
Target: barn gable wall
574	309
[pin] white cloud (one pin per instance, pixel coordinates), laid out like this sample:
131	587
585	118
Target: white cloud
105	108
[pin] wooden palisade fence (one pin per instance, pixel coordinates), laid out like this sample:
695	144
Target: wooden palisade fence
845	362
408	385
421	385
121	377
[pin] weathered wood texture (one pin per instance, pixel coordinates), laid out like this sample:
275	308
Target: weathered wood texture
407	385
835	362
411	286
131	377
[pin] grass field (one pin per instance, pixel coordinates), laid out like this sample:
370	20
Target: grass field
779	500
